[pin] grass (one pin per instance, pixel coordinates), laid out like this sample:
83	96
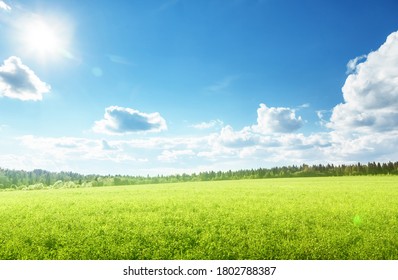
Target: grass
304	218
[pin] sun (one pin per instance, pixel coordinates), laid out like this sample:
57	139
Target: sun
45	38
42	38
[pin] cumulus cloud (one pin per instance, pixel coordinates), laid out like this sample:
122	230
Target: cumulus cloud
4	6
353	63
243	138
120	120
277	119
271	137
255	150
370	93
377	146
18	81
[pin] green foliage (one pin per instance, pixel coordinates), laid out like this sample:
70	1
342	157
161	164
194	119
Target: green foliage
13	179
299	218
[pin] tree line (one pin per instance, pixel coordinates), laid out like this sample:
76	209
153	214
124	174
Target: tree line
41	179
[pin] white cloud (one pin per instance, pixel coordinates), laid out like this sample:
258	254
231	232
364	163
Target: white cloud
251	150
63	147
277	119
4	6
174	155
230	138
207	125
120	120
18	81
378	146
81	155
265	142
365	126
323	116
228	149
353	63
72	148
370	93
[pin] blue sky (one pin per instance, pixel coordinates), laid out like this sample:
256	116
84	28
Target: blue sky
171	86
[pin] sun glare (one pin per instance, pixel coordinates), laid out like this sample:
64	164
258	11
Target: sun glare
45	38
40	37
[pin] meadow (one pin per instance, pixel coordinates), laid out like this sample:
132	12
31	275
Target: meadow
300	218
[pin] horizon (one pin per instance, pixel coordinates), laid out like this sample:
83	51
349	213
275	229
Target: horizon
329	165
169	87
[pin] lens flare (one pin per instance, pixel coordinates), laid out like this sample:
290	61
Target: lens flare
357	220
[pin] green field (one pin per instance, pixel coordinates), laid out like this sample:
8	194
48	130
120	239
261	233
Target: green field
302	218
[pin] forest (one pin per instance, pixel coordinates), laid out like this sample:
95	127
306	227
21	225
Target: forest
41	179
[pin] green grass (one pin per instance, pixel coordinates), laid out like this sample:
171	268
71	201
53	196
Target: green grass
305	218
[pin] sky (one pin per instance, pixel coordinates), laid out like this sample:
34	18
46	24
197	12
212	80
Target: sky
181	86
